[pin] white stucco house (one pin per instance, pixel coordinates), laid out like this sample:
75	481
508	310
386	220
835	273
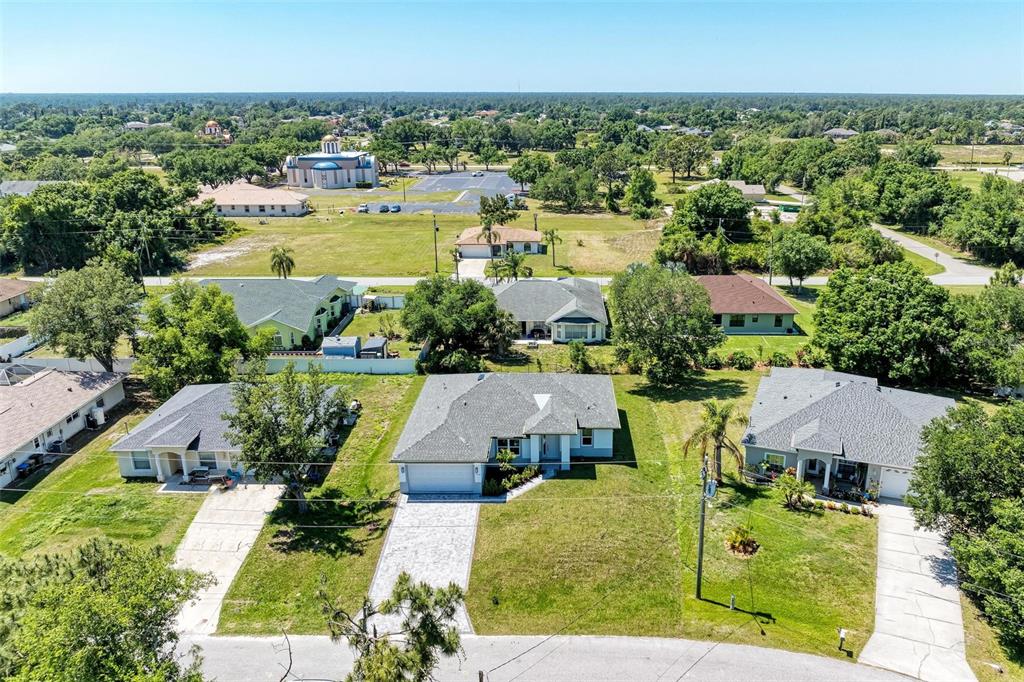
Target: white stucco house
243	200
472	244
838	430
13	296
461	421
562	310
39	406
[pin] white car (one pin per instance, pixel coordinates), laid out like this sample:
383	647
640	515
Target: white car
478	174
363	208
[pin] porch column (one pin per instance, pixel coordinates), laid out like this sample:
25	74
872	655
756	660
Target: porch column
535	445
801	465
161	468
828	470
564	450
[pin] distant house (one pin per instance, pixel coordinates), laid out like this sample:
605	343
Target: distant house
7	148
840	133
136	125
332	168
297	311
22	187
743	304
840	431
888	135
471	242
213	129
461	421
750	192
40	406
13	296
561	310
241	199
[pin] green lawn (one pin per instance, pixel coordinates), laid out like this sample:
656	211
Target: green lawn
761	347
587	552
981	154
402	245
18	319
277	585
970	179
983	648
925	265
363	324
554	358
85	497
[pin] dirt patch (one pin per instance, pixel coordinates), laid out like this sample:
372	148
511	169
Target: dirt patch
233	249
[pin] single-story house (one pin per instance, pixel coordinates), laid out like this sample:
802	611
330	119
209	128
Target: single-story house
22	187
840	133
40	406
243	200
472	244
750	192
743	304
562	310
186	432
461	421
293	308
838	430
13	296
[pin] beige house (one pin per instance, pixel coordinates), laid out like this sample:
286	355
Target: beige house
13	296
472	243
243	200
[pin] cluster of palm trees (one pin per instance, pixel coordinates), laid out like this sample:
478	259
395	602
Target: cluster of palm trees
509	267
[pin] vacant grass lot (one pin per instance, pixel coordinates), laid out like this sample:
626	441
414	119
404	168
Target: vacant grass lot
981	154
276	588
85	497
589	551
970	179
402	245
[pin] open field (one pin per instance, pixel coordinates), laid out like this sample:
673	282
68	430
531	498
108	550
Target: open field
979	153
276	588
588	551
388	244
85	497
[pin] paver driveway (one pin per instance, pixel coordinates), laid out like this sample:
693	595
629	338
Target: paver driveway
431	540
220	537
919	629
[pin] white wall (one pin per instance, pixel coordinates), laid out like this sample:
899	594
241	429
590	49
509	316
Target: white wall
342	365
270	210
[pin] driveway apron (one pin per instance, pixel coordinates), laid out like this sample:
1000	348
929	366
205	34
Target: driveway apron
432	540
919	627
217	542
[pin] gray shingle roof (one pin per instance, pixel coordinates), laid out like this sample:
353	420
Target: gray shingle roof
291	302
22	187
530	300
457	415
190	419
844	414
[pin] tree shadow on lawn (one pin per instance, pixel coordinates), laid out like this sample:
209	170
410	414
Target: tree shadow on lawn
808	295
696	387
334	525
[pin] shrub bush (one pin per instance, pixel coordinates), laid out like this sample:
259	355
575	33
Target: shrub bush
740	360
579	357
459	361
713	361
741	540
780	359
819	505
364	185
492	488
809	356
845	508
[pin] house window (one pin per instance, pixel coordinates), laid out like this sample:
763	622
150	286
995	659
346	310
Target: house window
575	331
246	209
276	341
778	320
587	438
510	444
263	209
717	320
35	443
737	320
140	461
753	318
101	402
775	461
208	460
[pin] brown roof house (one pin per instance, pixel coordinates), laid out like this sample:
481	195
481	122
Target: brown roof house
747	305
13	296
472	243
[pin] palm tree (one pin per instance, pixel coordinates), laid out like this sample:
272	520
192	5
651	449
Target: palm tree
513	264
454	253
281	261
551	238
488	235
715	420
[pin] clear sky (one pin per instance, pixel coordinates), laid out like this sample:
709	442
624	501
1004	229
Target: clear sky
867	46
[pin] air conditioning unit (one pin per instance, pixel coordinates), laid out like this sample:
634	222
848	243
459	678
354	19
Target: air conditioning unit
97	417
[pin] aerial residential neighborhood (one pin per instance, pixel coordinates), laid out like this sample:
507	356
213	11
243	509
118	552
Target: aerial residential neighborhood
326	354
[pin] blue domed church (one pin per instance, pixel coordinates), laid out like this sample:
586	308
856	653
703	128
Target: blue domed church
332	168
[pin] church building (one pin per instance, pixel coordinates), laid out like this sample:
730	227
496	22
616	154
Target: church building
332	168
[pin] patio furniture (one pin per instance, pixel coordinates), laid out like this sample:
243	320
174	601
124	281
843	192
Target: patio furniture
532	344
198	476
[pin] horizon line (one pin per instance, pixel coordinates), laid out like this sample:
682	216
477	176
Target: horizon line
515	93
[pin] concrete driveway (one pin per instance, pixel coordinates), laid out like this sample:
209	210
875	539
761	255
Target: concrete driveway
919	627
473	268
217	542
432	540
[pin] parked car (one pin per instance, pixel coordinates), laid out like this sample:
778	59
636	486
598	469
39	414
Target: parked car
384	208
478	174
363	208
395	208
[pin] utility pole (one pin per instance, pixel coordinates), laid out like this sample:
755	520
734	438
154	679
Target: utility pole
534	222
436	268
405	181
700	531
771	253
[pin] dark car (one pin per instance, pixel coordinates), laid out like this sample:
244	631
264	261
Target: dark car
384	208
395	208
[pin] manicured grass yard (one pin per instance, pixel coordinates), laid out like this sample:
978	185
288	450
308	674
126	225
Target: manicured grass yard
276	588
925	265
18	319
761	347
85	497
402	245
610	549
983	647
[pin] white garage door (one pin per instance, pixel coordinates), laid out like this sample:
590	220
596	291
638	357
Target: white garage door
441	478
894	483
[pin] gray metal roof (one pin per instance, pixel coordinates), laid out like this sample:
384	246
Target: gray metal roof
531	300
457	415
843	414
190	419
22	187
292	302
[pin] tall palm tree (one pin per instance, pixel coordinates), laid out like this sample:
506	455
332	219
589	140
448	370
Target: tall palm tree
513	264
716	417
488	235
551	238
281	261
454	253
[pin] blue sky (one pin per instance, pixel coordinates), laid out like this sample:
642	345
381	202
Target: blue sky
867	46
